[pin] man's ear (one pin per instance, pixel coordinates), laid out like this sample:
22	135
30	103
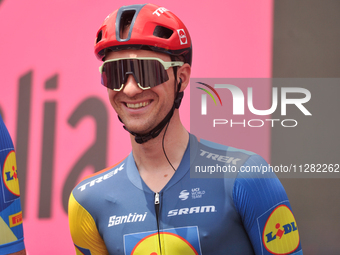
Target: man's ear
183	74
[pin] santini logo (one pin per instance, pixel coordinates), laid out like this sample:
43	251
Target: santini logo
204	97
117	220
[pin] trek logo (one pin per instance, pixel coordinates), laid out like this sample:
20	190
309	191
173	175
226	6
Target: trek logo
102	178
238	100
220	158
191	210
159	11
280	233
117	220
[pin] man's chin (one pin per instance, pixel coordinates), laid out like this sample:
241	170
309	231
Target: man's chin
138	129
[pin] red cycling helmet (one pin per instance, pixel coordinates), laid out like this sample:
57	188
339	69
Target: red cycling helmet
151	28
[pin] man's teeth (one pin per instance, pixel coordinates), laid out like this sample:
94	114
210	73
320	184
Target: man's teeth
139	105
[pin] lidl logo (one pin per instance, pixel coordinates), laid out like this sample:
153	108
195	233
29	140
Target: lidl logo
280	233
9	174
183	240
15	219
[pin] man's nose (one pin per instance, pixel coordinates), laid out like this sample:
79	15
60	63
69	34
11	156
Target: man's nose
131	87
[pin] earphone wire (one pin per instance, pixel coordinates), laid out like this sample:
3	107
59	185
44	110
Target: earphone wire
166	128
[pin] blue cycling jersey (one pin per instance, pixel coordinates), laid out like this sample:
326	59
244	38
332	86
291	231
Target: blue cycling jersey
11	231
115	212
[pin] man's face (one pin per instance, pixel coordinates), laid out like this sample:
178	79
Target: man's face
142	110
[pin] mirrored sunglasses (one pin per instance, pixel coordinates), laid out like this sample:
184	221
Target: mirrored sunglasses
148	72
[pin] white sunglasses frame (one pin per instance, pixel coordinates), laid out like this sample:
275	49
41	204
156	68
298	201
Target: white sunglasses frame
165	64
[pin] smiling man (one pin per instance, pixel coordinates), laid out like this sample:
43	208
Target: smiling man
147	203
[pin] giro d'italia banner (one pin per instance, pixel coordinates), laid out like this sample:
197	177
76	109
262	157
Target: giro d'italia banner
58	114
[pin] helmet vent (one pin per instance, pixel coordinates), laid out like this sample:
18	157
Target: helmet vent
99	36
125	23
162	32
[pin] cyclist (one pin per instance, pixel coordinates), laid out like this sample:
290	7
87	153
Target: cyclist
147	203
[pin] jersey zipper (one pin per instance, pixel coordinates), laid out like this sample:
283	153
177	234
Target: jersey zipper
157	219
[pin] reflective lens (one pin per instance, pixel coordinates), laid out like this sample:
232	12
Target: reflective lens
148	72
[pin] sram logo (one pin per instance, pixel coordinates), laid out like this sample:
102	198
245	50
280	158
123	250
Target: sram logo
191	210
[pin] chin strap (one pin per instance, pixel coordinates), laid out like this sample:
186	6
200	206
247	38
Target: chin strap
139	138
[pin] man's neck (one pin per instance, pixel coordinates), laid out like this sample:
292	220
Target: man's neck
150	159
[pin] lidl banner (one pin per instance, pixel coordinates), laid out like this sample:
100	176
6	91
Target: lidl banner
58	114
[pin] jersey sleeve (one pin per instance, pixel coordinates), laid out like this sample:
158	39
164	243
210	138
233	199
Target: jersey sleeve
84	232
267	216
11	230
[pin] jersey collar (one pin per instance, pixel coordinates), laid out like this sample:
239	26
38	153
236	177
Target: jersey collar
182	170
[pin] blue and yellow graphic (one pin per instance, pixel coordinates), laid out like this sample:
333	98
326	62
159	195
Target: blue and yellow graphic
15	219
183	240
10	176
280	233
83	251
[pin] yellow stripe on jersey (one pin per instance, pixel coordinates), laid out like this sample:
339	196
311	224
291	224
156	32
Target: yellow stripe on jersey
83	229
6	234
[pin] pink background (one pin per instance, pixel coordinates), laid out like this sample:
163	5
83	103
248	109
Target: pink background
230	39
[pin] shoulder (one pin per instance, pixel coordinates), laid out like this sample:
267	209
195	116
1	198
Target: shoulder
260	200
88	199
251	175
101	176
229	154
91	188
5	138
